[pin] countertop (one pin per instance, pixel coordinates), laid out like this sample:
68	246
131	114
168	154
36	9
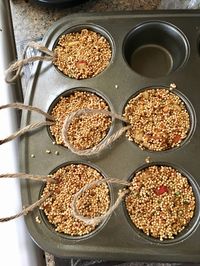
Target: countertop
36	19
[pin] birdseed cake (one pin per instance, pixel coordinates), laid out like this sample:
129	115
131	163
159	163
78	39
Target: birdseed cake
159	119
92	203
85	131
161	201
83	54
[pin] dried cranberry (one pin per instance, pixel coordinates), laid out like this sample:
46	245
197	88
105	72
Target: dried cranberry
160	190
176	139
81	64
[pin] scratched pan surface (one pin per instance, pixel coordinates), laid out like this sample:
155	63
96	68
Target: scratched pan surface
172	40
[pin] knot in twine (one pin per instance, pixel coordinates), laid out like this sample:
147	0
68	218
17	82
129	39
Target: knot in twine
51	121
18	65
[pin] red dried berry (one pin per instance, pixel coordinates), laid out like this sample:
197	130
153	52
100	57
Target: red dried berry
176	139
160	190
81	64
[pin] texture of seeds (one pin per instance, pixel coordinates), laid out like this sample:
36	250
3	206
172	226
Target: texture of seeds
84	131
161	201
94	202
82	54
159	119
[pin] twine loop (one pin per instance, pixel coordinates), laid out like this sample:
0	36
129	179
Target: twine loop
98	219
48	178
103	144
51	121
18	65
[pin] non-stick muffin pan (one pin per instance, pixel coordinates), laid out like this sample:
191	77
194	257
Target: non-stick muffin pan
148	53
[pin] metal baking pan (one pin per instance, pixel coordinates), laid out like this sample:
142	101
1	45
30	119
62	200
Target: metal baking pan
178	33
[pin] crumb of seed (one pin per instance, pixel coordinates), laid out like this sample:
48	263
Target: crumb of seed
156	202
85	131
32	155
48	151
147	160
83	54
92	203
159	119
172	86
116	86
37	219
53	142
56	152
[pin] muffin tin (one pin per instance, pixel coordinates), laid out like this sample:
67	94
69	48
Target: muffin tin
151	49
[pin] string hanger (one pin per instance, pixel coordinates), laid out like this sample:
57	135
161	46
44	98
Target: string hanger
51	121
74	210
19	64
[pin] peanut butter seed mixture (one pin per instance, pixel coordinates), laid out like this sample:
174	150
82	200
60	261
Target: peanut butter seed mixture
83	54
92	203
85	131
161	202
159	119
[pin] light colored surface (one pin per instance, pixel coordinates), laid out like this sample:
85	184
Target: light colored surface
14	235
16	247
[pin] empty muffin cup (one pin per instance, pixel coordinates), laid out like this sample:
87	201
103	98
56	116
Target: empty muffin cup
160	118
56	210
85	131
155	49
163	203
83	51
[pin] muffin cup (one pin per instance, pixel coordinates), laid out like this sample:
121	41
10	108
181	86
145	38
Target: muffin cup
155	49
188	106
190	227
70	92
51	227
91	28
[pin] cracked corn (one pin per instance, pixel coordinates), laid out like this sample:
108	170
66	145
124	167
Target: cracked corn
159	119
161	202
82	54
94	202
85	131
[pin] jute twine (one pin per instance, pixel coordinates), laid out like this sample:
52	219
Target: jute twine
94	150
30	208
30	127
18	65
28	176
90	221
26	107
102	145
26	210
